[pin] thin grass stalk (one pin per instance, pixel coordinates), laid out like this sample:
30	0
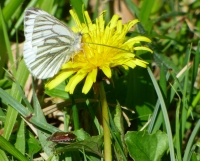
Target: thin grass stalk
178	143
75	117
165	116
191	141
194	103
105	117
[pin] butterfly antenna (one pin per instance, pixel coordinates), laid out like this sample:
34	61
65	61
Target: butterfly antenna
109	46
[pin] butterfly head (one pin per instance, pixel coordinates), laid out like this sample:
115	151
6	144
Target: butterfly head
77	45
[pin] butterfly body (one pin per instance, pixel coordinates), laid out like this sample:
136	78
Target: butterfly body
49	43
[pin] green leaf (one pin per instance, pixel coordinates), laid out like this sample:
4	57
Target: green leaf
7	146
75	116
165	114
46	5
96	122
91	144
21	76
58	91
195	157
20	141
81	134
118	119
25	113
3	155
40	116
132	7
191	140
117	133
146	147
7	42
78	7
10	8
33	145
145	12
5	84
21	18
138	80
147	6
8	11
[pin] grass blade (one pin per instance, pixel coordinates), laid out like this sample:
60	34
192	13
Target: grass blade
165	115
191	139
21	76
7	146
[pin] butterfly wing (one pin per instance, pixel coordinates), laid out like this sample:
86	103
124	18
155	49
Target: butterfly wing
49	43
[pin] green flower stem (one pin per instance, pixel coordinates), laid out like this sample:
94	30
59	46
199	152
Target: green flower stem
106	130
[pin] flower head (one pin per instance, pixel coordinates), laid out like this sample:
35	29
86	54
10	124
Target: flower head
103	47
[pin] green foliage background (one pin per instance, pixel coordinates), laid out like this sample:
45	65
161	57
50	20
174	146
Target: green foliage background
162	101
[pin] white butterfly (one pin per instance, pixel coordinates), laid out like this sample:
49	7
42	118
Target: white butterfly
49	43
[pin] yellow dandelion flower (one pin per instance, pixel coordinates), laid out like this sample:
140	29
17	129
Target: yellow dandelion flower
103	47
